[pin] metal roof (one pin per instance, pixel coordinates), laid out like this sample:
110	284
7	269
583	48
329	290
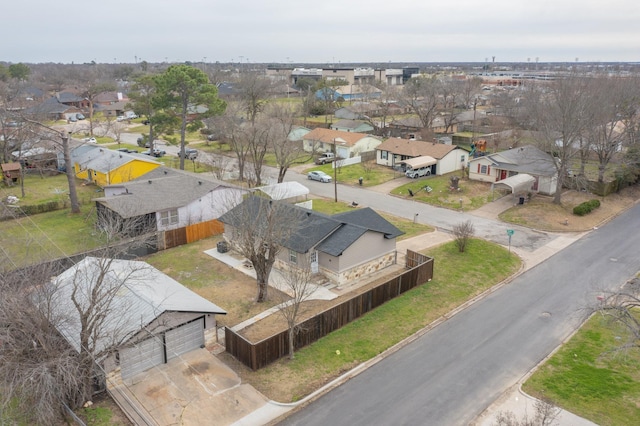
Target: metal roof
132	294
422	161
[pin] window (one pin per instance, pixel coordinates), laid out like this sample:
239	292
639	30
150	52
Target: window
293	256
462	158
169	217
384	155
483	169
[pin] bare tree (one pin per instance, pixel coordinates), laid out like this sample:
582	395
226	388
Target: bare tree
621	307
253	93
462	233
559	112
39	371
421	95
257	228
233	131
296	287
545	414
286	150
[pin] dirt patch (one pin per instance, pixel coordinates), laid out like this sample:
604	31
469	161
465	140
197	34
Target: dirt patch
541	213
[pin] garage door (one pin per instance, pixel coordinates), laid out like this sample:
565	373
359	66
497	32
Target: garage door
141	357
185	338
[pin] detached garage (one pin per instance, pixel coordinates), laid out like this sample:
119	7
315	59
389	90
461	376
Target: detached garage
151	318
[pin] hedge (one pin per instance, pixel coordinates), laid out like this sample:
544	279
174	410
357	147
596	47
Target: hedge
586	207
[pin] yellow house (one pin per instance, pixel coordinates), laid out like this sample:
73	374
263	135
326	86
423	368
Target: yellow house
106	167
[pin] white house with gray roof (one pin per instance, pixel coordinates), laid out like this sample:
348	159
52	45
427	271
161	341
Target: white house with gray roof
167	199
525	159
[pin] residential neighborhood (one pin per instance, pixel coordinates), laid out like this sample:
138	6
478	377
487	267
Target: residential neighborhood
167	242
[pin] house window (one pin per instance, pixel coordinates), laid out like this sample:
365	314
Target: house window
384	155
462	158
484	169
169	217
293	257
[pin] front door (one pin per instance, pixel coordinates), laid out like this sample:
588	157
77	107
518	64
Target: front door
503	174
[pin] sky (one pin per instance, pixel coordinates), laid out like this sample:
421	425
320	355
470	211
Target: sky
323	31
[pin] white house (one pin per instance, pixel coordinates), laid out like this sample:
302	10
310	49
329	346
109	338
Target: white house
345	144
526	159
395	151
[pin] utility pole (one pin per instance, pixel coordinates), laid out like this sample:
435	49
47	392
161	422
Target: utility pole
335	171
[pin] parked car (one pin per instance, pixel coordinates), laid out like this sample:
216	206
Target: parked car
80	116
72	119
319	176
120	118
90	140
189	153
156	152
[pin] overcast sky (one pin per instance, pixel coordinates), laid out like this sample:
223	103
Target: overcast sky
287	31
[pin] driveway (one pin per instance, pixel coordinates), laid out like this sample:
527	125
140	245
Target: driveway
193	389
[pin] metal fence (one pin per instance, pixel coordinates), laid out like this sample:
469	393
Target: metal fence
260	354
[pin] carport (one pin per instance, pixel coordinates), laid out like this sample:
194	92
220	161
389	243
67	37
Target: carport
519	183
418	162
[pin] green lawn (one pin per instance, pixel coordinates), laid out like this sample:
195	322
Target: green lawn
589	378
436	190
457	278
371	173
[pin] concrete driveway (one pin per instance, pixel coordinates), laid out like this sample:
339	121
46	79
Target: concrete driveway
194	389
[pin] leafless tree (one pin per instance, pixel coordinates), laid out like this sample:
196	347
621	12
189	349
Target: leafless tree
462	233
286	150
621	307
253	93
257	228
296	287
559	112
39	371
545	414
233	131
421	94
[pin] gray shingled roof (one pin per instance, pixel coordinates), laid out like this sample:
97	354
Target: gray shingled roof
157	191
525	159
329	234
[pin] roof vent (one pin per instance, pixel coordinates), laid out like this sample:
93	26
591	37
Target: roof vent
150	182
199	182
166	172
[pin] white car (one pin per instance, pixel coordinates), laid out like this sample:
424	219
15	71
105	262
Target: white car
121	118
90	140
319	176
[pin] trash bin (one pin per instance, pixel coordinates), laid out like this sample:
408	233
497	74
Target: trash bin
360	181
222	247
521	201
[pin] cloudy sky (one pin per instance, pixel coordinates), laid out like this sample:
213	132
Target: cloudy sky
287	31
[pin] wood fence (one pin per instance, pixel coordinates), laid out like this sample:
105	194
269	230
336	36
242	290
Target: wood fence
260	354
190	233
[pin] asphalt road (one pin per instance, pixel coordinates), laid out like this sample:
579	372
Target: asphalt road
453	372
444	219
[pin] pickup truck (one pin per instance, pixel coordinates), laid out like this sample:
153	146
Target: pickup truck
325	158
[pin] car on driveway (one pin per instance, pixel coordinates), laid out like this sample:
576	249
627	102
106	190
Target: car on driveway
90	140
319	176
156	152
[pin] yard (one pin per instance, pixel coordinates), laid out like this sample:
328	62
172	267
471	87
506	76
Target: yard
438	191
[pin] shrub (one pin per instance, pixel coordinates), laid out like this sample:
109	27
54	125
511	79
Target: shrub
586	207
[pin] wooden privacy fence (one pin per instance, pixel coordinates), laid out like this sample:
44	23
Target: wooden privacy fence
260	354
191	233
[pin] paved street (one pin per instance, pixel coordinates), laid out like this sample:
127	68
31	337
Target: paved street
457	369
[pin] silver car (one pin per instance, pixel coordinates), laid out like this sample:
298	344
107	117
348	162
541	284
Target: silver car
319	176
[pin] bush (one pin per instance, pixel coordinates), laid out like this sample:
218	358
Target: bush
586	207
